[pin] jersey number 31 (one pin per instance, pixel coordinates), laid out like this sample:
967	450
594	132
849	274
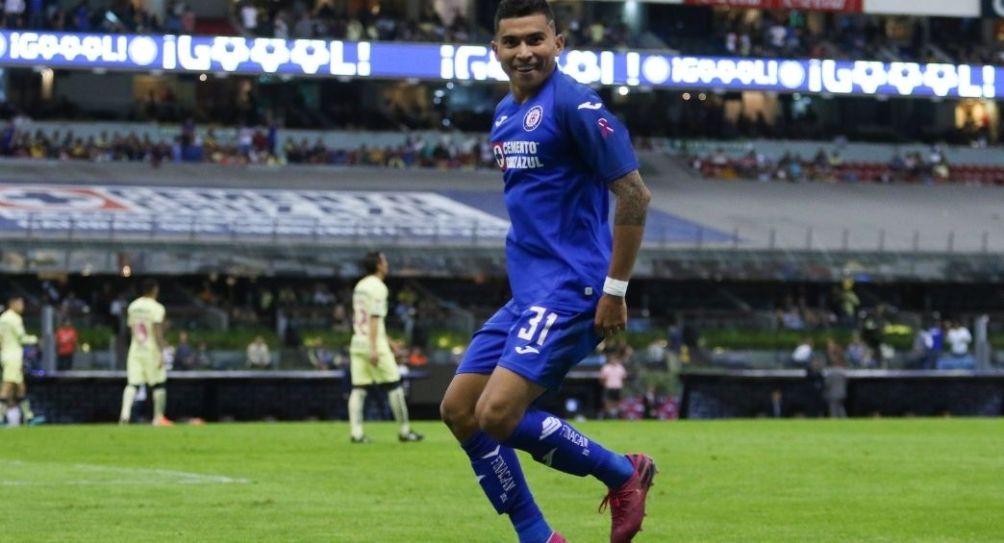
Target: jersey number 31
527	333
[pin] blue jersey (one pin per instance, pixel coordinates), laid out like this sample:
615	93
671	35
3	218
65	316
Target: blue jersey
558	152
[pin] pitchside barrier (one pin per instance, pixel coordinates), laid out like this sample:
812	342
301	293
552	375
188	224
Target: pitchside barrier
96	396
795	393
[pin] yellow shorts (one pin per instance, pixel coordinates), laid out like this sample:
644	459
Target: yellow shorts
365	373
13	371
145	370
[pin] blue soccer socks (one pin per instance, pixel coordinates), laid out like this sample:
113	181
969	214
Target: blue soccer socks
500	476
557	444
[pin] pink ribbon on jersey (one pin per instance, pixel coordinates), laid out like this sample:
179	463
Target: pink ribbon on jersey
605	128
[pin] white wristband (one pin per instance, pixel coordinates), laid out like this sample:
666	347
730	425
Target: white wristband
615	287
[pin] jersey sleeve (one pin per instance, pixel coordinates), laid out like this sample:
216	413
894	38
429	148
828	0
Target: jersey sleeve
600	139
376	302
23	336
158	314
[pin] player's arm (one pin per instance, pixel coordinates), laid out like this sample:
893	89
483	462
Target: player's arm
633	198
372	337
24	337
158	335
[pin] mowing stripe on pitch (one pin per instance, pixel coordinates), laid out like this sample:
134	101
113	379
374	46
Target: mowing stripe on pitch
91	474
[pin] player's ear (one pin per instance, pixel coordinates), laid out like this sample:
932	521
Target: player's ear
495	48
559	43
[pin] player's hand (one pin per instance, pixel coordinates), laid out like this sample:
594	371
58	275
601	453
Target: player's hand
611	315
374	358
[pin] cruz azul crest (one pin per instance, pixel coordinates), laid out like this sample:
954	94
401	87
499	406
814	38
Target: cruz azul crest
532	118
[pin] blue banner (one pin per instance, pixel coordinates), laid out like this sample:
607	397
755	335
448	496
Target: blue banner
234	55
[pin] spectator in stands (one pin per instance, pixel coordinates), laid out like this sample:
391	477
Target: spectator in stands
66	345
776	403
258	355
248	14
835	389
935	342
927	346
417	358
872	328
958	338
803	354
167	355
848	302
790	317
612	377
315	353
834	353
280	26
203	360
13	12
36	14
340	319
692	350
184	355
858	354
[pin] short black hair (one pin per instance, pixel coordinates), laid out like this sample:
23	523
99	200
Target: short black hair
371	261
149	285
510	9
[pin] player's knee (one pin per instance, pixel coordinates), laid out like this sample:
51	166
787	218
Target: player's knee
457	414
495	419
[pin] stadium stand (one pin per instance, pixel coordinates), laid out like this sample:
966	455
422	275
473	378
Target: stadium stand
851	164
154	144
721	259
695	29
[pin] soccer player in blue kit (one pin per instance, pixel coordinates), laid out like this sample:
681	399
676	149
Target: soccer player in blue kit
560	151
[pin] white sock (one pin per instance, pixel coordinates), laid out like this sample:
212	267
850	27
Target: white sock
400	409
159	403
14	416
128	397
357	400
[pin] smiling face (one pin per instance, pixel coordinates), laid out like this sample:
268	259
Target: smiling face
528	49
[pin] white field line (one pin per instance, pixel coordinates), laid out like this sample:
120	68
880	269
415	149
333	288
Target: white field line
119	475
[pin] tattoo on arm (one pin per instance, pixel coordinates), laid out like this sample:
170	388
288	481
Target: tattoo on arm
632	200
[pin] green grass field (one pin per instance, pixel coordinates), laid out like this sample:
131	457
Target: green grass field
774	481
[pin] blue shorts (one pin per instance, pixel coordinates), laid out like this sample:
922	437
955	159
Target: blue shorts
538	343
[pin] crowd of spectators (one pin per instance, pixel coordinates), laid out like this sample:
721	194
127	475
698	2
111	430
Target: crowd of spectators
111	17
740	32
828	165
245	145
851	36
938	343
338	21
942	345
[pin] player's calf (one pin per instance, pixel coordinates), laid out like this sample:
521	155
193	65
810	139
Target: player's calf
557	444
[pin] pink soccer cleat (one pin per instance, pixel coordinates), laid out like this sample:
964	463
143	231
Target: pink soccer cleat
627	503
556	538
